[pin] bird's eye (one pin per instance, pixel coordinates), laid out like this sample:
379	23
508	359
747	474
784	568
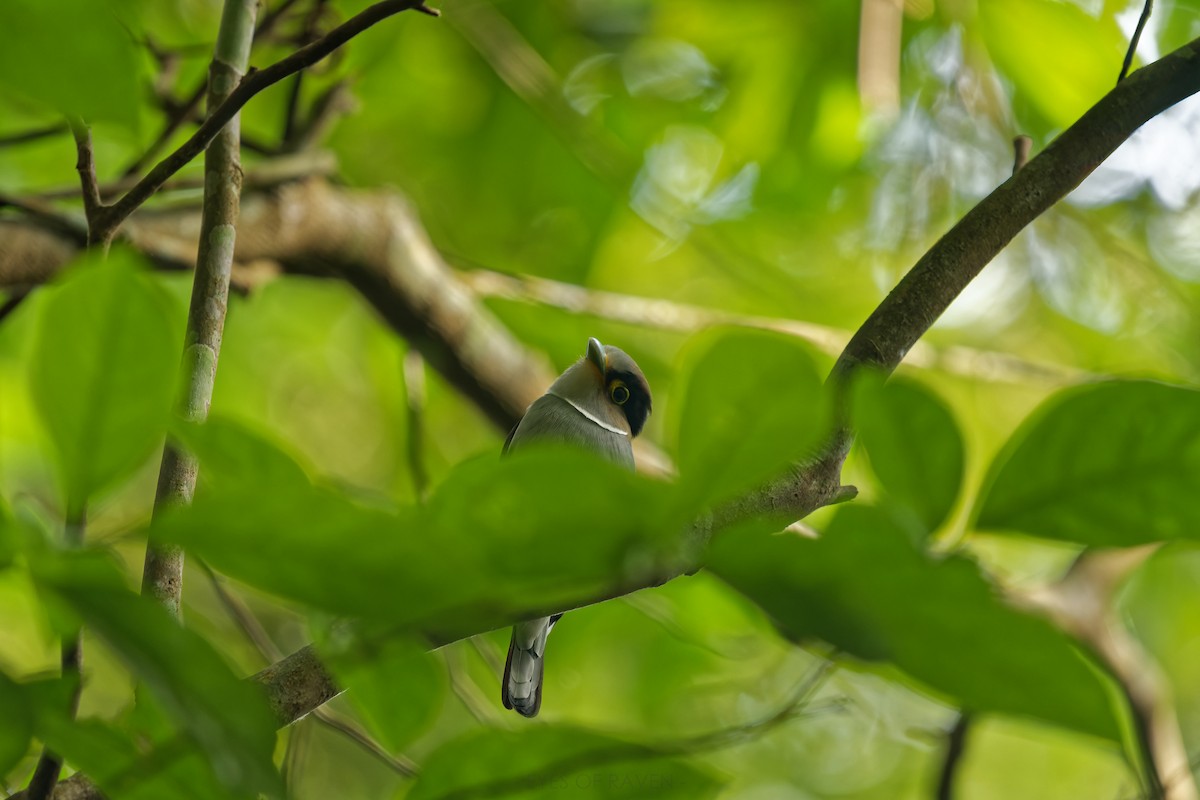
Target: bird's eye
619	393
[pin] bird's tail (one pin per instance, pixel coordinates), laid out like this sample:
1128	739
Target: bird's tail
521	687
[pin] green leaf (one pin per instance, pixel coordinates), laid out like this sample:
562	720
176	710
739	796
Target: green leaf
227	718
499	540
9	536
914	446
171	769
102	368
93	68
1111	463
551	762
752	403
865	588
17	728
397	686
1059	57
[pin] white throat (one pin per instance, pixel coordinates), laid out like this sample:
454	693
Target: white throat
587	414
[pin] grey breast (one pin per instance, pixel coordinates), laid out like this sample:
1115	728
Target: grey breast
551	418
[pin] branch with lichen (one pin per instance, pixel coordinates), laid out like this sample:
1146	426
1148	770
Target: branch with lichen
162	575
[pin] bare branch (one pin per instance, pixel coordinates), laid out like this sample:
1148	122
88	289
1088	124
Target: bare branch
180	112
85	165
162	574
49	765
252	84
956	746
683	318
34	134
1133	42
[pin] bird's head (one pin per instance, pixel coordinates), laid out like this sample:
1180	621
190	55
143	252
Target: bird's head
607	383
622	382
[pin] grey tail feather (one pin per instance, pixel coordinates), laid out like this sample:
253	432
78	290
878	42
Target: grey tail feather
521	686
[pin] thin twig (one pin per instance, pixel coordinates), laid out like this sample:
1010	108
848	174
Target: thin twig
49	765
177	114
243	616
252	84
1133	42
400	764
684	318
468	692
956	746
34	134
180	113
85	165
1022	146
264	175
414	393
12	303
254	631
798	705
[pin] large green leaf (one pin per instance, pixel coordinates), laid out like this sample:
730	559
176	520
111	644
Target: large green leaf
396	685
1058	56
1111	463
101	370
915	447
551	762
751	403
499	539
73	56
227	718
152	769
864	587
17	727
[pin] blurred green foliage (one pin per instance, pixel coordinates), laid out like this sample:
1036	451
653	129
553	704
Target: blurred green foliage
669	149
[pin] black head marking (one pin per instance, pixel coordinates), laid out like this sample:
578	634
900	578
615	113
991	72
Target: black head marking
623	369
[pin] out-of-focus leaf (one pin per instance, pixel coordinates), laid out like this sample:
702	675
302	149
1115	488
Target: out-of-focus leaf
17	727
499	539
751	403
1061	58
169	770
102	370
397	686
550	762
93	68
915	447
228	718
1112	463
865	588
8	536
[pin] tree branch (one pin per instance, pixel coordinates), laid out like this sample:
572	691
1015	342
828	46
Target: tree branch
49	765
182	112
162	575
683	318
946	269
1133	42
956	747
33	134
111	217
